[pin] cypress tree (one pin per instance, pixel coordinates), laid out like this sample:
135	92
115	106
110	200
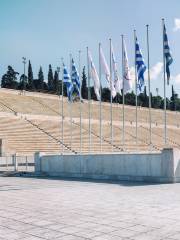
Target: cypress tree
50	78
84	90
56	82
106	94
30	76
174	100
40	79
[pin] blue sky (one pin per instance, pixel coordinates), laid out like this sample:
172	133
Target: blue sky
46	30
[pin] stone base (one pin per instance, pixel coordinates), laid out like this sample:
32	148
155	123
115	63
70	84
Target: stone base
159	167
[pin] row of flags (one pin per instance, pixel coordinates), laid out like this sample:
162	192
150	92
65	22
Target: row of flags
114	83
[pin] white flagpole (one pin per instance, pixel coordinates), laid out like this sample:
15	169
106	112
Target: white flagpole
62	108
89	103
123	98
149	89
70	102
164	75
100	102
80	80
136	86
111	94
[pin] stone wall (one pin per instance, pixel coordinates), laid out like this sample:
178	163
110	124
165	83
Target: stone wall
146	167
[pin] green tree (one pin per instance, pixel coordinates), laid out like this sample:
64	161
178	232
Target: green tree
173	100
130	98
118	98
84	90
178	104
56	84
105	95
50	78
93	95
40	79
143	99
156	101
167	103
23	82
30	77
9	80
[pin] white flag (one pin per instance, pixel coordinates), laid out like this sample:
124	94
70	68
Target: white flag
94	76
127	82
116	80
105	70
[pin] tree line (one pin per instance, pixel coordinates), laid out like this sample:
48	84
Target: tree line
27	82
53	85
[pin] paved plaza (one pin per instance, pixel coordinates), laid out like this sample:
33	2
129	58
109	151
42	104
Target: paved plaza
35	209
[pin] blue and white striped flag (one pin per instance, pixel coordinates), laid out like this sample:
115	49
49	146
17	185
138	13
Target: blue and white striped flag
167	54
140	67
67	82
75	78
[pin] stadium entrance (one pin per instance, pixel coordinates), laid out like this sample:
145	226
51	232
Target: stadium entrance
14	163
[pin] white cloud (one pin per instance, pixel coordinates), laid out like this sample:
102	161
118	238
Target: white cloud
156	70
177	79
176	24
132	75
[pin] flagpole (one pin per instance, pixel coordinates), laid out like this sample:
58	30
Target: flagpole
149	88
164	76
80	80
136	87
62	108
89	103
111	94
100	102
123	98
70	102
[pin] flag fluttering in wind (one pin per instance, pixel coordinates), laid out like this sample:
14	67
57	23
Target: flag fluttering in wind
127	81
67	82
140	67
167	54
94	76
75	78
105	70
116	79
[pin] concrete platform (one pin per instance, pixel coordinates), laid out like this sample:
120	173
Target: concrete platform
36	209
160	167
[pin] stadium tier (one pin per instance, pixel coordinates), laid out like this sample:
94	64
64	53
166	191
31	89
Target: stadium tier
31	122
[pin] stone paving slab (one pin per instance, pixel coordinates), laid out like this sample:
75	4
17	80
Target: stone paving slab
36	209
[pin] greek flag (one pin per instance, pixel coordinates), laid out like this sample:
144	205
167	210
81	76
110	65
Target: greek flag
75	78
67	82
167	54
140	67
